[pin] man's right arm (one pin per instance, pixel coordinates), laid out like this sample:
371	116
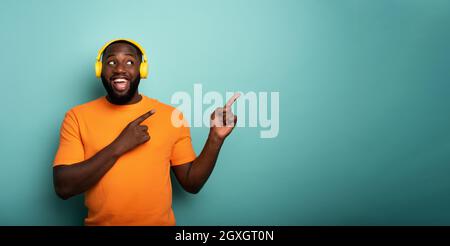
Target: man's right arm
71	180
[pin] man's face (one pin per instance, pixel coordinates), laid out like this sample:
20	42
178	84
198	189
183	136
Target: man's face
120	72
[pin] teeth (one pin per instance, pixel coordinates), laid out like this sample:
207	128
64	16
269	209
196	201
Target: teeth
120	80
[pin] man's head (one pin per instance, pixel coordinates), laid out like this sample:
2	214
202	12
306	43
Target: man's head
120	75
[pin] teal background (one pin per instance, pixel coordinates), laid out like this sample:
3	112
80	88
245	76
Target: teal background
364	104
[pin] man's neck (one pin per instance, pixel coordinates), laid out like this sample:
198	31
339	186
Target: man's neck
135	99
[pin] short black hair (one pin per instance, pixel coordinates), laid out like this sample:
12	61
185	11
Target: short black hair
138	51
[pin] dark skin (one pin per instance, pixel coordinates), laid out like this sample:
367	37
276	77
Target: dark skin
121	60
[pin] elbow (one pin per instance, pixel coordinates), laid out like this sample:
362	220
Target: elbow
61	186
193	189
62	192
62	189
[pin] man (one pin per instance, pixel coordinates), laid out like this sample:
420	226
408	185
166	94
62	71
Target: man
119	149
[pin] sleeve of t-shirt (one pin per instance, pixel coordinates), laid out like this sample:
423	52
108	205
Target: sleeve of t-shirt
182	151
70	148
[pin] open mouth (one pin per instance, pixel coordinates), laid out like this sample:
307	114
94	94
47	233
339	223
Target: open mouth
120	83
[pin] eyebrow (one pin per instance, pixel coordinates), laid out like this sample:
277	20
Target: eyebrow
128	54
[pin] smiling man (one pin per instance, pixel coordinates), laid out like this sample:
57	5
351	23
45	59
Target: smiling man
119	149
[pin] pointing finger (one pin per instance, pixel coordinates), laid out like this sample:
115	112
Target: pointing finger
232	100
141	118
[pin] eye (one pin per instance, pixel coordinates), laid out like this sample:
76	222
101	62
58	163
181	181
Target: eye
130	62
111	63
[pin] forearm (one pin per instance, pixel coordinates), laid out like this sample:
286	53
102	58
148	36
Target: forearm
71	180
203	165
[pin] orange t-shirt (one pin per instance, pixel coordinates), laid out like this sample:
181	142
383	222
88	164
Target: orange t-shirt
137	189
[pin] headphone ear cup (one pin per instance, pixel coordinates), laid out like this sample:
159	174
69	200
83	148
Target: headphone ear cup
143	70
98	69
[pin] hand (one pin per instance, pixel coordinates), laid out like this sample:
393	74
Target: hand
134	134
223	120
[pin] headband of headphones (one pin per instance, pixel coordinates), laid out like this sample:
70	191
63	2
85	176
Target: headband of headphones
143	68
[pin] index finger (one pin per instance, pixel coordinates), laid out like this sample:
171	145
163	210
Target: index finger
232	99
143	117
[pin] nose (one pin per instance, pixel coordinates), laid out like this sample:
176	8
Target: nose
119	68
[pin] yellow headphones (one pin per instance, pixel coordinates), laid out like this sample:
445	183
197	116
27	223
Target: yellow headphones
143	69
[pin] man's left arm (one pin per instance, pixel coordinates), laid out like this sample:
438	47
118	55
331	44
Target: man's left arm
192	176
